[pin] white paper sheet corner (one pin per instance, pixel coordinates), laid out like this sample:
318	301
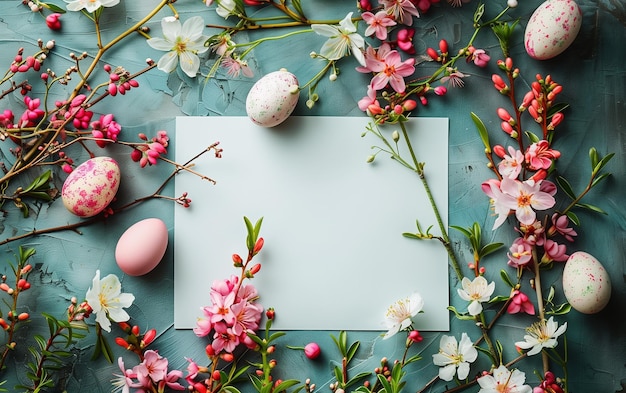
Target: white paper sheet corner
334	257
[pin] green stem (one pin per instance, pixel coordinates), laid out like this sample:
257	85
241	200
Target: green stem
419	169
540	305
253	44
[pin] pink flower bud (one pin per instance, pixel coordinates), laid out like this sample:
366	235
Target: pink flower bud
504	114
312	350
148	338
258	246
499	150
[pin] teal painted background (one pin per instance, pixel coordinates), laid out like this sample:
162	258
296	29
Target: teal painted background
592	72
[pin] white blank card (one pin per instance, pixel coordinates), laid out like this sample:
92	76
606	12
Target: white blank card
334	255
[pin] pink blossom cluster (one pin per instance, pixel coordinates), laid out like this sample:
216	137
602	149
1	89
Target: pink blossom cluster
148	376
521	187
232	314
149	153
392	64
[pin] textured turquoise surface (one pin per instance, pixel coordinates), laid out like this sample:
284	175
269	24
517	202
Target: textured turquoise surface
594	78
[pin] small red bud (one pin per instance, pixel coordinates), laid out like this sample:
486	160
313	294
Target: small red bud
122	343
216	375
148	338
255	269
433	54
135	330
258	246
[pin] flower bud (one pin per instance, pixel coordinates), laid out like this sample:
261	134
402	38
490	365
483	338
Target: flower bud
395	135
258	246
312	350
148	338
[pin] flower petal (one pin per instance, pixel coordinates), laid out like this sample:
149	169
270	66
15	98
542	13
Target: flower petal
193	27
168	62
190	63
159	43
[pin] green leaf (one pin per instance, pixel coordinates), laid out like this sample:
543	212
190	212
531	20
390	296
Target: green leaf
250	240
257	228
482	130
275	335
599	179
284	385
338	374
39	195
54	8
532	137
462	230
598	166
565	187
556	108
505	277
573	217
591	207
352	350
385	384
230	389
463	317
593	157
412	359
489	248
562	309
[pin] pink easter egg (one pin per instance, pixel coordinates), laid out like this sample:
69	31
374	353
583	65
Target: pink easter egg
91	187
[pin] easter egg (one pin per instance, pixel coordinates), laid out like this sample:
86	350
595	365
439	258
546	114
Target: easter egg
586	283
90	187
272	98
141	247
552	28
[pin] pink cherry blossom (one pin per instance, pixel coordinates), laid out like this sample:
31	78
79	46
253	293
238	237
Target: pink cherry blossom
405	40
560	224
520	303
540	156
554	251
520	253
152	368
511	164
365	102
377	24
523	198
392	71
402	11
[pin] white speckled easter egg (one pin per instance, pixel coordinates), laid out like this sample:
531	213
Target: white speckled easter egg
272	98
552	28
586	283
90	187
141	247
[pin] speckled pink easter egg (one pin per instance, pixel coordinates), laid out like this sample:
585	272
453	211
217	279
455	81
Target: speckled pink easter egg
586	283
272	98
552	28
90	187
141	247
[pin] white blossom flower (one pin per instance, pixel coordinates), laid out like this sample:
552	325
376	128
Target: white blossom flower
89	5
107	300
455	358
476	292
225	8
542	334
504	381
181	42
398	315
342	39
